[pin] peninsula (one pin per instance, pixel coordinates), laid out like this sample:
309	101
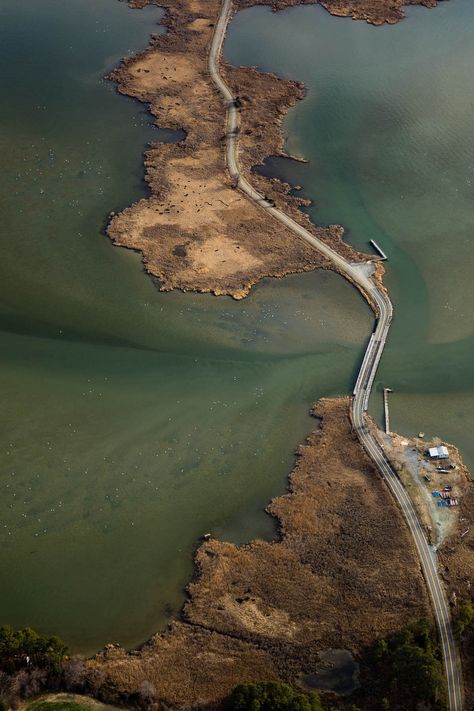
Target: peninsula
196	231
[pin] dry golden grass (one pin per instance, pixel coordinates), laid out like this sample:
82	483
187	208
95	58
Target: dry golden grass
374	11
343	575
196	231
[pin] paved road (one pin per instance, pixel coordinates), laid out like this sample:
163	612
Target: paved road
382	306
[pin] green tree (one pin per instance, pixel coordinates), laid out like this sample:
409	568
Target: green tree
406	671
381	649
464	619
271	696
417	672
26	648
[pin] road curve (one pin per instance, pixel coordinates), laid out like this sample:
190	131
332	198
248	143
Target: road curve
382	307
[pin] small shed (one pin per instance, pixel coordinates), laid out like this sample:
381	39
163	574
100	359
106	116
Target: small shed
438	452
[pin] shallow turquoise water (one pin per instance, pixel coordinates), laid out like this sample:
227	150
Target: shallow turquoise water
131	421
387	126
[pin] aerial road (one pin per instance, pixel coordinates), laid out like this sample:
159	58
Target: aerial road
359	274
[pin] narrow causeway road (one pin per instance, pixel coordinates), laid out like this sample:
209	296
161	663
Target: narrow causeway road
381	304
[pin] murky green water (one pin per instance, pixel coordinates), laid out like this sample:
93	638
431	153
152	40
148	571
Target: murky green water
131	421
388	129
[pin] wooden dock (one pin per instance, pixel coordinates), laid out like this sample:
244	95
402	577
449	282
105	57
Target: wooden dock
386	391
379	250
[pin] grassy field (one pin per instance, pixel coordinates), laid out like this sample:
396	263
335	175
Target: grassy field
66	702
58	706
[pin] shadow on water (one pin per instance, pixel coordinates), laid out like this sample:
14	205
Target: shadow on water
337	671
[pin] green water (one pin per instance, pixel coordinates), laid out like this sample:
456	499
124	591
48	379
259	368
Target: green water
387	126
132	421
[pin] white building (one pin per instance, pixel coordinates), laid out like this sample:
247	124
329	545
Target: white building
438	452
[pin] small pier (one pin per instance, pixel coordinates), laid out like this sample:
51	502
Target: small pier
386	391
383	256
